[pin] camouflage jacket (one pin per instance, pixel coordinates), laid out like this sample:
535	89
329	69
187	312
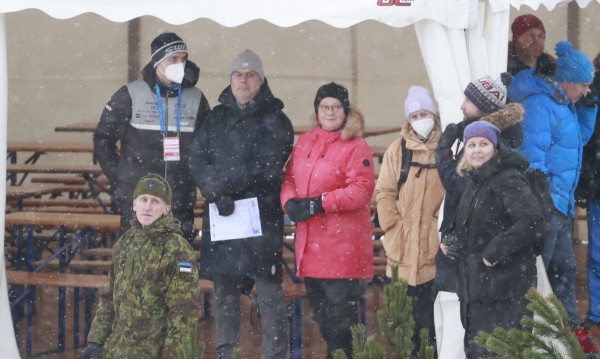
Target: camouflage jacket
153	294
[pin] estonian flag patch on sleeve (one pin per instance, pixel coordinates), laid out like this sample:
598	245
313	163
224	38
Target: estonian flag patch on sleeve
185	267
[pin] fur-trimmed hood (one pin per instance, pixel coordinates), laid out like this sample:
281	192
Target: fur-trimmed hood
506	117
509	120
354	125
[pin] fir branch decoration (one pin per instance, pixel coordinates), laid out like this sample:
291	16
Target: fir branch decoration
546	335
191	348
396	321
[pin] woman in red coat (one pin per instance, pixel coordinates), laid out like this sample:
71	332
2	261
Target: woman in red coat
328	185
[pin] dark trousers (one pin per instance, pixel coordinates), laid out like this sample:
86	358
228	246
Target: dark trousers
422	300
487	316
560	262
335	306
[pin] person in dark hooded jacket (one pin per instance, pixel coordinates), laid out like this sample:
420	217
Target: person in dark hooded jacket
239	153
135	130
483	97
496	223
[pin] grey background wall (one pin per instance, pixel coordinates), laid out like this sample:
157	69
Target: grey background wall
64	71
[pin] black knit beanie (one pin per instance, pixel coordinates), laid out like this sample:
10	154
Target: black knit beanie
333	90
164	45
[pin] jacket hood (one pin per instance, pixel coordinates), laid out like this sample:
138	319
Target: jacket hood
354	125
506	117
526	84
263	99
190	78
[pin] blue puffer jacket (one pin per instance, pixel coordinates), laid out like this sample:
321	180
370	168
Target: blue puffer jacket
554	132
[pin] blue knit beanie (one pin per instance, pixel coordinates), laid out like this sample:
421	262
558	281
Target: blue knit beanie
572	65
482	128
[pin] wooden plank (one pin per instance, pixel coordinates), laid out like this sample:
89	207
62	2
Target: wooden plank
91	169
377	245
99	281
49	146
378	152
77	127
66	209
57	279
78	265
104	222
100	252
32	190
68	202
67	179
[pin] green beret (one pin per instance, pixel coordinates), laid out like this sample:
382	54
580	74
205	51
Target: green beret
155	185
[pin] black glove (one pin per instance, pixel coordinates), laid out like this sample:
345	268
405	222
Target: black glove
443	155
225	205
450	135
454	247
589	100
92	351
301	209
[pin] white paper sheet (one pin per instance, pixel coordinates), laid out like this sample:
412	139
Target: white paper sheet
244	222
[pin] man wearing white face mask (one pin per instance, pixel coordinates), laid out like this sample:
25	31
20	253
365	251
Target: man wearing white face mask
153	119
409	194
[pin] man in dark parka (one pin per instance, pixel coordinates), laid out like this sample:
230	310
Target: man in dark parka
238	153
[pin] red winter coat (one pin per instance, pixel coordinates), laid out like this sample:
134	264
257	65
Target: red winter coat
336	243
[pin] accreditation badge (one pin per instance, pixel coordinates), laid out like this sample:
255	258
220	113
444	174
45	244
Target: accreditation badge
171	149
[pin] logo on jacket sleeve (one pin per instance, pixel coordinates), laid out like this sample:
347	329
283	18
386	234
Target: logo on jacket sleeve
185	267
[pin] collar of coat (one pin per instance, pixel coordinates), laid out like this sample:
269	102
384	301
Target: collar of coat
354	125
264	101
156	230
506	157
506	117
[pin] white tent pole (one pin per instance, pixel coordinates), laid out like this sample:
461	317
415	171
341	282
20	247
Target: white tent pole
8	344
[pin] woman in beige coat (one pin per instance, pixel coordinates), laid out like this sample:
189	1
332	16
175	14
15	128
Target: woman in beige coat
408	205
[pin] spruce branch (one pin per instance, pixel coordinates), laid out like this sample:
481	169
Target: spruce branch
547	334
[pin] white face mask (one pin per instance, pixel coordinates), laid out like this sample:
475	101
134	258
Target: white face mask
423	127
175	72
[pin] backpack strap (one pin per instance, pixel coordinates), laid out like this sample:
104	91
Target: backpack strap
406	159
427	166
406	164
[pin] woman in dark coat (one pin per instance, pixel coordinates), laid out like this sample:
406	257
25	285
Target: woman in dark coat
496	224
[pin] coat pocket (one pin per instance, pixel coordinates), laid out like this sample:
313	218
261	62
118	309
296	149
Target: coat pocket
487	283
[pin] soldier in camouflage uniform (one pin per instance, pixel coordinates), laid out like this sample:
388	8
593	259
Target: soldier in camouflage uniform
153	294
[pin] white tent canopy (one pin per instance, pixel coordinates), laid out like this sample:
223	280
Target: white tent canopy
337	13
460	40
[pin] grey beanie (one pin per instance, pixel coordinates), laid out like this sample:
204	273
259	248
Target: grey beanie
248	60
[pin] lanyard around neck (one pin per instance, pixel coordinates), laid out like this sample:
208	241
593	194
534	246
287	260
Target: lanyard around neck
161	114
